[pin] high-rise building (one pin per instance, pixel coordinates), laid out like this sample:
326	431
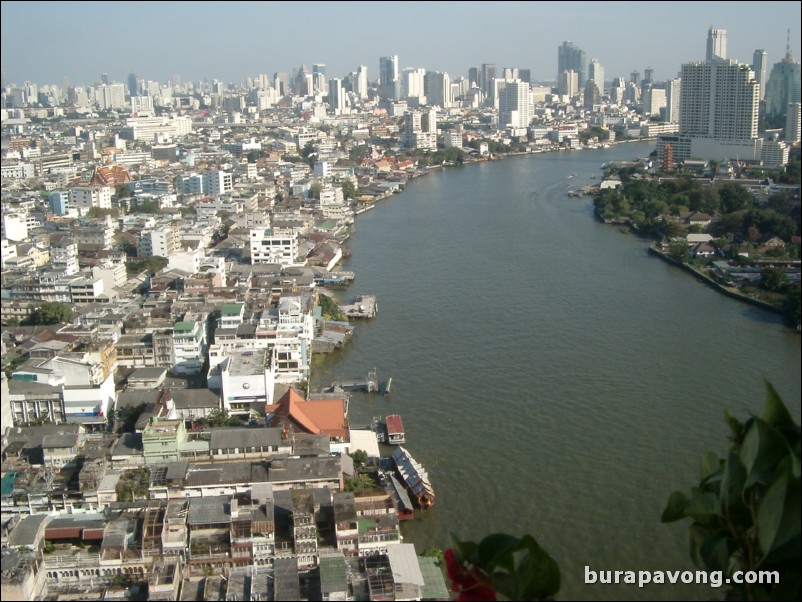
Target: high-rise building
716	44
513	105
361	87
412	83
760	67
792	122
525	75
673	88
596	73
592	94
437	86
388	77
572	58
319	77
718	100
718	108
133	85
336	95
473	76
783	87
486	77
568	83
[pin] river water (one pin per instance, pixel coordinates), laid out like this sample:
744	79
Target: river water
553	377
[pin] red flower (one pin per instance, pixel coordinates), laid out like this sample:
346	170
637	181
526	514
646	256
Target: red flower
467	580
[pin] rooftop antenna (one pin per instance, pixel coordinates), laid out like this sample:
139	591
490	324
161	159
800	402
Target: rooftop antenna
788	45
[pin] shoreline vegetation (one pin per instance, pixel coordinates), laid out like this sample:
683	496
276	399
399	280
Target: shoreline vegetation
739	235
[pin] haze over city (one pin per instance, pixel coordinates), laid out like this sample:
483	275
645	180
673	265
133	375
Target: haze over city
44	42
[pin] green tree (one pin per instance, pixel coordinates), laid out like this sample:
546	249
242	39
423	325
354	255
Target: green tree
773	279
51	312
360	458
154	264
96	212
123	192
145	207
745	511
349	189
792	307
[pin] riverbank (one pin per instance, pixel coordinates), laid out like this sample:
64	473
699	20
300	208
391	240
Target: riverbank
725	290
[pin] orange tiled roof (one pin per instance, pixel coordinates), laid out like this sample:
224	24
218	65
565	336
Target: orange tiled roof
110	175
325	416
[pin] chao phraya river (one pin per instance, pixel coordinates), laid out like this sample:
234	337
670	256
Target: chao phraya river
553	377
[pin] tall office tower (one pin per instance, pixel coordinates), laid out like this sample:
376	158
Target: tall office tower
652	101
319	77
648	75
133	85
783	87
486	77
634	78
513	105
104	79
792	125
437	86
716	44
281	82
572	58
760	67
592	94
672	99
473	76
336	95
525	75
361	87
596	73
388	77
718	100
510	74
568	83
412	83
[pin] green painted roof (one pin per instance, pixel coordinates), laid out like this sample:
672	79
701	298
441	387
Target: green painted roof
434	584
333	577
232	309
187	326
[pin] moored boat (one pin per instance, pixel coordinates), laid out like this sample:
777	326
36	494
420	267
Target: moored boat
414	477
395	430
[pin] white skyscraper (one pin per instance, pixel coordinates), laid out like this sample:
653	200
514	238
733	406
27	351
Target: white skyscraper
718	100
760	66
673	88
412	82
568	84
718	108
362	82
716	44
336	95
596	73
514	105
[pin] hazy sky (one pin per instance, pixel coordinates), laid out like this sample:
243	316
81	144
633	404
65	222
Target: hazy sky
44	41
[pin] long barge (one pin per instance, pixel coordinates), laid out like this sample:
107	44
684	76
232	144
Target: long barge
414	477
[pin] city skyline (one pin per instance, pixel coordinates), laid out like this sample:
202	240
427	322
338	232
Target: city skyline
43	42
